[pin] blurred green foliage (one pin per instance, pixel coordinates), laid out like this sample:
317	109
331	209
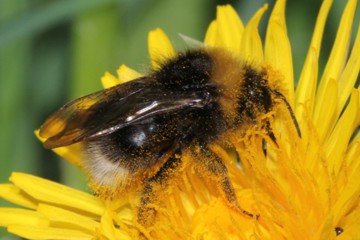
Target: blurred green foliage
54	51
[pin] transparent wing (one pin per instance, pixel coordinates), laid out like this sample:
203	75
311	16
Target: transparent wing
106	111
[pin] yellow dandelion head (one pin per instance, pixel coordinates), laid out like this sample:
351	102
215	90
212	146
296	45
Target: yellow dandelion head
288	185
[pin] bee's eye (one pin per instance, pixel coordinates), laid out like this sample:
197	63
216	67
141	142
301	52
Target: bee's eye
259	95
264	98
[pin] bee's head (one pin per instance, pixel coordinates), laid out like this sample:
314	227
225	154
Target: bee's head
259	98
256	95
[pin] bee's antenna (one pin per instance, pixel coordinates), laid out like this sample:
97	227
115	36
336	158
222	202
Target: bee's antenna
282	97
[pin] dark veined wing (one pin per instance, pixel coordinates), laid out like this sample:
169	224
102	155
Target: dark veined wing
106	111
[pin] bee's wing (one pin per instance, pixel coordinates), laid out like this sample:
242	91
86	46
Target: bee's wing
106	111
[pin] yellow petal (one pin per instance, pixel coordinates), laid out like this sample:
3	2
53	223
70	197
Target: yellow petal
251	45
337	58
14	216
211	36
348	199
51	192
230	28
327	230
14	194
217	214
278	49
352	158
60	216
126	74
48	233
71	153
336	144
327	112
350	74
108	80
351	226
107	226
125	214
305	90
160	47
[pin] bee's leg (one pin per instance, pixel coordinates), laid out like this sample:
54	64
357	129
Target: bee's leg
270	133
153	188
215	165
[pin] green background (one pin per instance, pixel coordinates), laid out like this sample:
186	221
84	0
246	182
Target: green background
54	51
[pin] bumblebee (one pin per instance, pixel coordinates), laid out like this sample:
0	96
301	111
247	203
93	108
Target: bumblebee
135	133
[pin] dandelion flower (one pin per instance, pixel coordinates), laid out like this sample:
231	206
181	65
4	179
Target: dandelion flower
303	188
